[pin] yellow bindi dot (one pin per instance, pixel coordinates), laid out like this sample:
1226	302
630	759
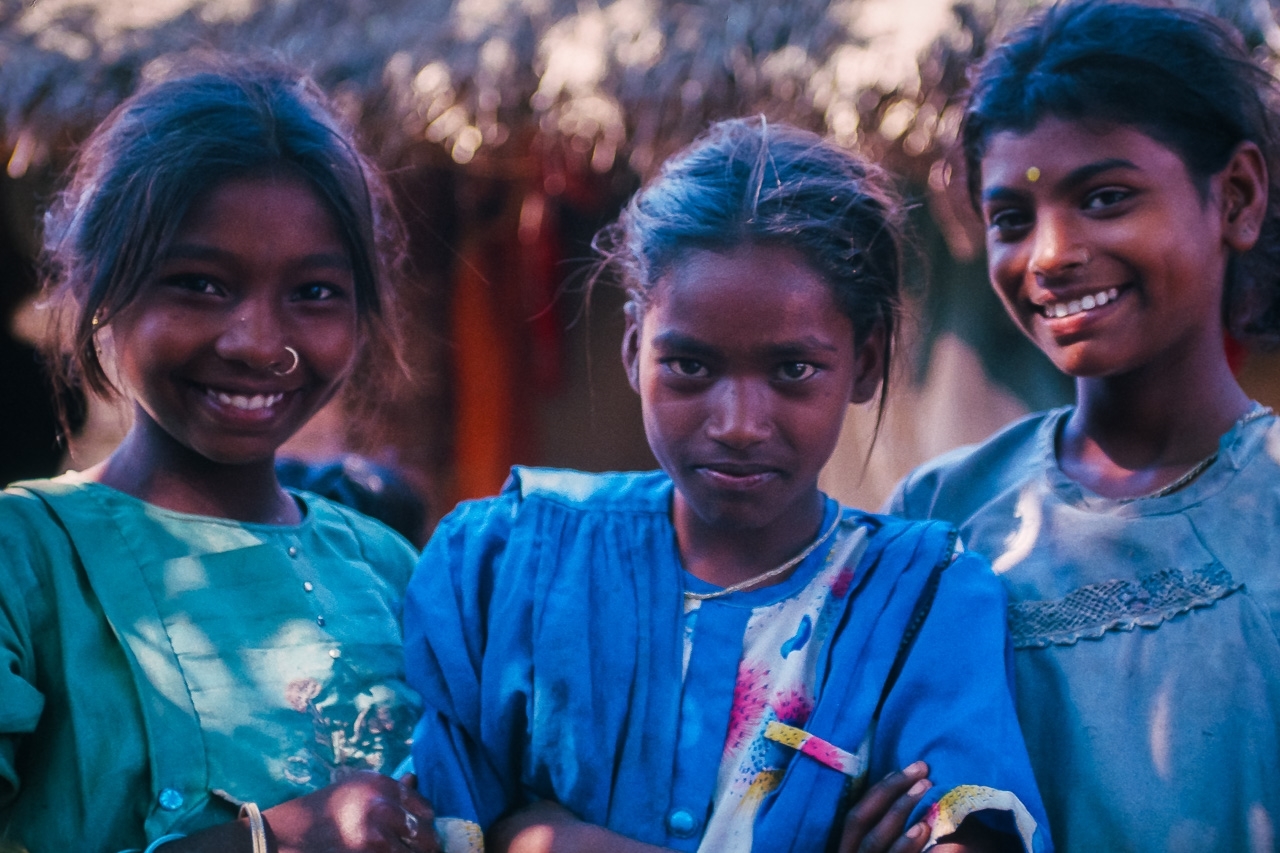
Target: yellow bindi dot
1033	174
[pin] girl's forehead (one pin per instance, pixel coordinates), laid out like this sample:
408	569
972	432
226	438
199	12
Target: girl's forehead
750	293
1057	149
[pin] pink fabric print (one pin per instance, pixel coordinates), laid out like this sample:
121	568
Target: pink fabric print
750	696
793	707
300	692
842	583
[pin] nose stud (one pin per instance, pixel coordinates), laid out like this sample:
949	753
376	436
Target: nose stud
292	367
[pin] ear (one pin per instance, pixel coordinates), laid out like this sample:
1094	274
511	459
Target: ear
631	344
868	366
1244	183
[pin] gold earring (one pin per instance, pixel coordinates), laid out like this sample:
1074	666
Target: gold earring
1033	174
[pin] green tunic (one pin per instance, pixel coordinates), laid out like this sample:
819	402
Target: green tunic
159	668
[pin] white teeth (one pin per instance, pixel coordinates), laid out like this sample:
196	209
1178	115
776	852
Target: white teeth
248	404
1084	303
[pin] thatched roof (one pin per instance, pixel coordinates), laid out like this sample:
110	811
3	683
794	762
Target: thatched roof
629	78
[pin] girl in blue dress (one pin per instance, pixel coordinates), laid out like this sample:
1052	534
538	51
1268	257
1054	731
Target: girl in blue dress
1124	158
716	656
191	657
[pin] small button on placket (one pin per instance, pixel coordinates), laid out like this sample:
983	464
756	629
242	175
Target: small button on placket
170	799
681	823
293	551
308	586
335	653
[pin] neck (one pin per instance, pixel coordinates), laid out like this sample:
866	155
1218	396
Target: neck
161	471
1136	433
724	554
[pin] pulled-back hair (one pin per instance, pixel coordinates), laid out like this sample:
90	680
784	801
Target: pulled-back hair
748	182
161	151
1180	76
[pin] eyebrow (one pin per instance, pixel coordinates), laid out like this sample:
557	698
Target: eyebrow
197	252
1074	178
674	340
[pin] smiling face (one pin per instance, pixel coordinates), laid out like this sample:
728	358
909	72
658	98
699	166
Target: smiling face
257	266
1103	249
745	367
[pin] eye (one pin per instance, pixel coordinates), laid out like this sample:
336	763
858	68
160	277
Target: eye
796	371
685	368
1106	197
1008	223
195	283
318	291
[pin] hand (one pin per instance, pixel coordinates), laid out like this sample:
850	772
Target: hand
365	812
547	827
875	823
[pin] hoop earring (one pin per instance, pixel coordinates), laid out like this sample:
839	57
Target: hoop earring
293	352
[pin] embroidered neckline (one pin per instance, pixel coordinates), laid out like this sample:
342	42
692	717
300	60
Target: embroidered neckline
1092	610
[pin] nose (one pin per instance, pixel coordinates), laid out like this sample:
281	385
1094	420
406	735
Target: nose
254	335
1056	249
740	414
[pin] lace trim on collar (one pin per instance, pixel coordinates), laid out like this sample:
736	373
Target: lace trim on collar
1117	605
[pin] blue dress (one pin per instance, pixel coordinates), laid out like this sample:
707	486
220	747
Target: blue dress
547	631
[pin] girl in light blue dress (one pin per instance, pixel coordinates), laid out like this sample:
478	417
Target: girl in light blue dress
1124	159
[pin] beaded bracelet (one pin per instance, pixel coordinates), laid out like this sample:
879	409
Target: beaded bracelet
257	826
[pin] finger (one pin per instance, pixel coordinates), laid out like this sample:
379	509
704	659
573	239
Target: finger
888	831
419	835
913	840
417	805
879	799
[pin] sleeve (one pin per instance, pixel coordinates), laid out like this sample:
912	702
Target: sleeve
21	600
953	707
466	654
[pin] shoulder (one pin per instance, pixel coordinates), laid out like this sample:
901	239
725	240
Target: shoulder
344	529
33	540
616	491
27	513
954	485
535	497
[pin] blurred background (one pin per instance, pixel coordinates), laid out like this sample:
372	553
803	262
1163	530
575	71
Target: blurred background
511	131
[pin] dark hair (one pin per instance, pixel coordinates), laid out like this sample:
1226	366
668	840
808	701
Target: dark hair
376	490
160	151
749	182
1181	76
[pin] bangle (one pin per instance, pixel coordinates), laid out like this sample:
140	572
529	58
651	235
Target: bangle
164	839
257	826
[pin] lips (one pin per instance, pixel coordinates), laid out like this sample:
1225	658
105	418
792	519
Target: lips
1080	305
737	476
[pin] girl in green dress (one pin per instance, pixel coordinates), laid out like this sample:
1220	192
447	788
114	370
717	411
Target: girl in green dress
191	657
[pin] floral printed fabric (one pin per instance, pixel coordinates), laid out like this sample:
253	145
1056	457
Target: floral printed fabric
774	691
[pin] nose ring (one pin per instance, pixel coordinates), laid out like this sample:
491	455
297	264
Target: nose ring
293	352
